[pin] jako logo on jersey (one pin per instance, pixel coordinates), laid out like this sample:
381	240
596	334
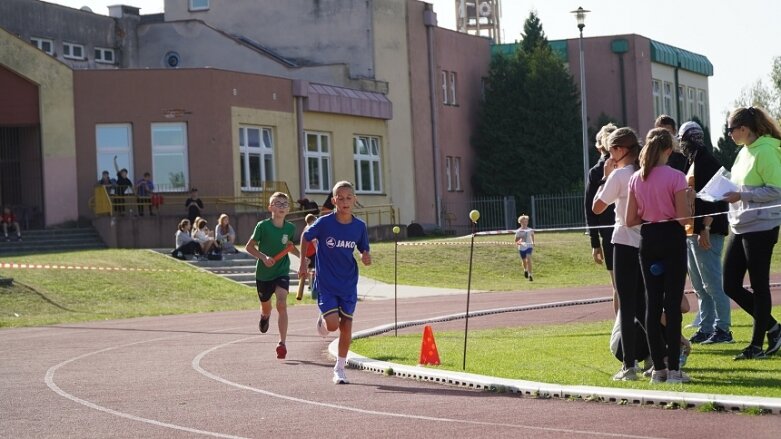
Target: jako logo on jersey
333	243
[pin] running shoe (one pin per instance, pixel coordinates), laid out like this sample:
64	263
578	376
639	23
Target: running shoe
626	374
700	337
340	377
321	329
263	324
720	336
525	274
531	279
658	376
773	341
751	352
677	377
281	351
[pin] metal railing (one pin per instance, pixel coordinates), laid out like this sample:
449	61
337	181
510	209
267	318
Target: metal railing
557	210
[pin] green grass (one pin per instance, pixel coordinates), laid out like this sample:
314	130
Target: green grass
578	354
50	296
561	259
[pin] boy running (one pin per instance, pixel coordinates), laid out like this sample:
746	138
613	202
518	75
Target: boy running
272	236
524	239
337	234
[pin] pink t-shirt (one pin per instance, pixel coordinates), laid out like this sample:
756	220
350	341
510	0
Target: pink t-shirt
656	194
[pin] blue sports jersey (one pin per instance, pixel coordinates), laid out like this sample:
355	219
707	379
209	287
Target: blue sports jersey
337	269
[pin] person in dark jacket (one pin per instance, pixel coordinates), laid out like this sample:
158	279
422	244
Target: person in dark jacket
677	160
600	226
704	246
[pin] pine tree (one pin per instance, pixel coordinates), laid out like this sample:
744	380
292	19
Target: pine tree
533	35
726	150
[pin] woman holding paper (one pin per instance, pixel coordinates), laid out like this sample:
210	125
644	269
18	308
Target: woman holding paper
754	219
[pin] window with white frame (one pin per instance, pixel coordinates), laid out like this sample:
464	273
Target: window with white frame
453	100
169	156
457	173
656	87
701	105
199	5
691	101
682	105
444	88
46	45
114	140
256	151
668	98
448	172
318	162
368	164
72	51
104	55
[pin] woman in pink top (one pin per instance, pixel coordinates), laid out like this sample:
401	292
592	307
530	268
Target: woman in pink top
659	199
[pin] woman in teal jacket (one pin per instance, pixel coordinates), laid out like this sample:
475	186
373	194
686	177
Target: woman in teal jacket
754	218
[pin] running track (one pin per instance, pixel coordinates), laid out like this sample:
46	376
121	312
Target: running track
214	375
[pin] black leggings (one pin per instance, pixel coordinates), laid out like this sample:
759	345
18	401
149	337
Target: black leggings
663	246
631	297
190	248
751	251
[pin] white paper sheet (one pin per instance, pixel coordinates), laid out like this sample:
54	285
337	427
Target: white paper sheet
718	185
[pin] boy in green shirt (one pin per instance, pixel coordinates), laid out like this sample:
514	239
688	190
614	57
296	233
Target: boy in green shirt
270	243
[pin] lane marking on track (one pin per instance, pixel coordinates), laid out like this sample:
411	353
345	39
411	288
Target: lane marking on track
196	364
23	266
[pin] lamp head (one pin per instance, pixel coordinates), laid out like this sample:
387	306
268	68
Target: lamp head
580	16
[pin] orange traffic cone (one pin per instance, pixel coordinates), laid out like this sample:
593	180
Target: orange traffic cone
428	348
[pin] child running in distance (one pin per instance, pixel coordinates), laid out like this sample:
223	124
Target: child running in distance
338	234
524	238
270	238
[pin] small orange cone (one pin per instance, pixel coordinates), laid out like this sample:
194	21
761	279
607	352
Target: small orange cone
428	348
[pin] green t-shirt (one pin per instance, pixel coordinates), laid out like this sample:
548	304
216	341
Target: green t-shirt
271	240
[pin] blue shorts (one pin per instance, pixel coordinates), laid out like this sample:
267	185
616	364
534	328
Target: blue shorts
526	252
330	302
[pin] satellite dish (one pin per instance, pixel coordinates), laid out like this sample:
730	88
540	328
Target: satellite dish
85	9
485	9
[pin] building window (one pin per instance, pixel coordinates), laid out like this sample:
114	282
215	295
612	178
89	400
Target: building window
701	105
444	88
169	156
47	46
453	100
682	105
457	173
318	162
656	87
368	164
114	140
448	172
668	98
199	5
104	55
256	150
691	101
72	51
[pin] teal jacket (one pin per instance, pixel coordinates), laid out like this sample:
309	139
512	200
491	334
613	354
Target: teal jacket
757	173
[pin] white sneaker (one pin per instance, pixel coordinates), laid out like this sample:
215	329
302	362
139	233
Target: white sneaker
677	377
340	377
626	374
321	329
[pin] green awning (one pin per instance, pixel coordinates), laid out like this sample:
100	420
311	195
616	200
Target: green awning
675	57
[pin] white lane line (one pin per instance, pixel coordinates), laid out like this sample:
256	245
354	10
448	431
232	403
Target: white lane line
196	364
49	379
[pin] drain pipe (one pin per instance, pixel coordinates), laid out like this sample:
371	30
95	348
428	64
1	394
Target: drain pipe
301	92
430	21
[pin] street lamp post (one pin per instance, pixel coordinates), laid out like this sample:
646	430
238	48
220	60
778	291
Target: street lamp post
580	16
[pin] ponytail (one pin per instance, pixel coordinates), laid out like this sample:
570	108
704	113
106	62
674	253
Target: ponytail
657	141
757	120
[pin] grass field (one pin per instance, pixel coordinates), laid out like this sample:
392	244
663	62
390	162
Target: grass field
578	354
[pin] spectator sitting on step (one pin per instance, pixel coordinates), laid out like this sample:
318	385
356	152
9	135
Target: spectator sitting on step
185	244
201	235
225	235
8	220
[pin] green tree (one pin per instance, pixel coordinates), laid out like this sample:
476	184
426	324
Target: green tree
726	150
533	35
528	137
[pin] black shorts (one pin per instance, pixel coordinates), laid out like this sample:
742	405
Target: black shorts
267	287
311	263
606	234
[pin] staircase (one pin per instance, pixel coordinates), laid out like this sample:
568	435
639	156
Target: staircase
239	267
51	240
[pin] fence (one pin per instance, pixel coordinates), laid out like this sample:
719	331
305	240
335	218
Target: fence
496	213
557	210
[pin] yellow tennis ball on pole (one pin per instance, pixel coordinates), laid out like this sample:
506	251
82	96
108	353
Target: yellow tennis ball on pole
396	229
474	215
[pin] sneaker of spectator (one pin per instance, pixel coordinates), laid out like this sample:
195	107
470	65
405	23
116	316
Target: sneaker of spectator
677	377
751	352
626	374
720	336
658	376
773	340
700	336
